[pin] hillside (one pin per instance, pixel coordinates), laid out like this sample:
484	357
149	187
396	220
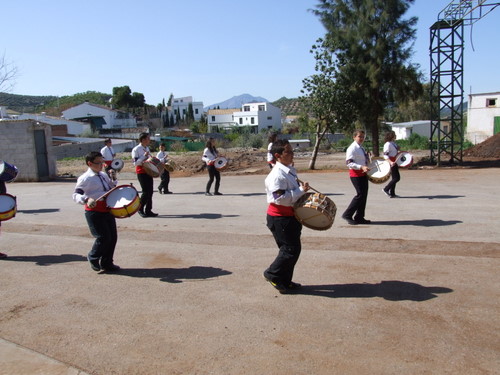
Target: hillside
289	107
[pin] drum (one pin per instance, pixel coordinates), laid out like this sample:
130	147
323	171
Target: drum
404	159
123	201
380	171
170	165
117	164
8	172
315	211
7	207
220	163
153	166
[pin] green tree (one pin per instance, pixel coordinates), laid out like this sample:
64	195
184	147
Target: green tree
121	96
373	45
327	100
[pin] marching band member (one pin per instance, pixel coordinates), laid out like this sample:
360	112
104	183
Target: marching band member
270	157
102	224
108	154
140	154
165	176
283	190
357	161
391	150
209	156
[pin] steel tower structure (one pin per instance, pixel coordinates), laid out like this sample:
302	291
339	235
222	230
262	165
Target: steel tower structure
447	93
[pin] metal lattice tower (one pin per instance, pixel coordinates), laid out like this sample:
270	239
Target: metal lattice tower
447	93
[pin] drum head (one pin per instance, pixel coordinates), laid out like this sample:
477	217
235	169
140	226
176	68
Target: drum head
121	197
404	160
7	202
117	164
220	162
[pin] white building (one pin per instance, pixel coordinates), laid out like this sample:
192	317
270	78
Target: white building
221	119
257	116
111	118
483	116
404	130
180	107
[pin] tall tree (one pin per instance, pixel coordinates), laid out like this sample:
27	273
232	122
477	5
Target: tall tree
121	96
373	45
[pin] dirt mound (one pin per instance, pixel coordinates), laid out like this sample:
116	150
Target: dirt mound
490	148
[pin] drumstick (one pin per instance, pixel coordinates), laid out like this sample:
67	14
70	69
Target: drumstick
310	187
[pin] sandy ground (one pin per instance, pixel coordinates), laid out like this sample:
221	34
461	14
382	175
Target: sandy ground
415	292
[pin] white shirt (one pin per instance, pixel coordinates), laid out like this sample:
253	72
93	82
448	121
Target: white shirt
390	150
283	179
92	185
162	155
356	156
270	157
108	154
208	155
140	154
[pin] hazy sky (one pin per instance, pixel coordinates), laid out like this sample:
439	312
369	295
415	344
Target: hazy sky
211	50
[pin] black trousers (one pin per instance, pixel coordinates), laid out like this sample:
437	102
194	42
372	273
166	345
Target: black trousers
102	225
395	177
286	231
356	209
213	173
165	180
146	182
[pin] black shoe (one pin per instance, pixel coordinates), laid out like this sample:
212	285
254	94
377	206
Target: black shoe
168	192
142	214
160	191
111	268
294	286
151	214
94	264
217	193
278	286
208	194
349	220
363	221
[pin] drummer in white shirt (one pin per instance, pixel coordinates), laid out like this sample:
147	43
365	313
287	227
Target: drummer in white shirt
357	161
108	154
391	150
209	155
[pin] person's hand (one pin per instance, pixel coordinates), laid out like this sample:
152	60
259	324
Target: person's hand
211	162
365	169
306	186
91	202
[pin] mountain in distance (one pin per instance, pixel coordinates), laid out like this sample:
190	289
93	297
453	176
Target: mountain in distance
236	102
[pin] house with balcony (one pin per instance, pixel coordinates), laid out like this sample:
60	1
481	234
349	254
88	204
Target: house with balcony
483	116
100	117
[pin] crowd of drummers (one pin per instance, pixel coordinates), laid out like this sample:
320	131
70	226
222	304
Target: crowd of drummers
291	202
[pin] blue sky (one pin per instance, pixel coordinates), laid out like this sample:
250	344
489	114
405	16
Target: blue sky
211	50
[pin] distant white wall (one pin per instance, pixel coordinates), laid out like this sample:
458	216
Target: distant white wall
483	108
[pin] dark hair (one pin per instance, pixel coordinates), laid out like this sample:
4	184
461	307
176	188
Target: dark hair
279	146
273	137
143	136
389	136
358	131
91	156
107	140
162	144
211	147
